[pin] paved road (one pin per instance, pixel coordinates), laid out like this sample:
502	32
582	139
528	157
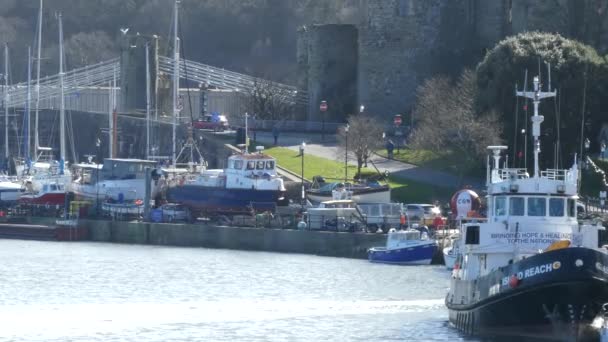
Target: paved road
329	149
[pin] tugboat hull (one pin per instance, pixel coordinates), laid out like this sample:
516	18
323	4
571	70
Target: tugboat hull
555	295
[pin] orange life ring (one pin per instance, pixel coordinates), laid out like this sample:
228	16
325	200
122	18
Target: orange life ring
139	202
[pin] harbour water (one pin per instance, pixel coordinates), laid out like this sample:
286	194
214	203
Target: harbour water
52	291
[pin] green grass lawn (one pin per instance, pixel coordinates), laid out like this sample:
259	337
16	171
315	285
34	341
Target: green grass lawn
437	161
402	190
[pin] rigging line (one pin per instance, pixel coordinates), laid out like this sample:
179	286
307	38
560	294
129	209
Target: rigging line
516	132
181	46
557	126
71	136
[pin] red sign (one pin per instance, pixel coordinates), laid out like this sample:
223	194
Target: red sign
397	120
323	106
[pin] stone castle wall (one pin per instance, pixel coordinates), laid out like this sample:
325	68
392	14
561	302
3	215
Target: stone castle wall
401	43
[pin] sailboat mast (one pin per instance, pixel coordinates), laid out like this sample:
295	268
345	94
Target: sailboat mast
175	79
110	121
6	149
147	101
28	137
62	100
36	140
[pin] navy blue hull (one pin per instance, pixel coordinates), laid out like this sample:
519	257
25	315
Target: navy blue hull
415	255
210	199
557	296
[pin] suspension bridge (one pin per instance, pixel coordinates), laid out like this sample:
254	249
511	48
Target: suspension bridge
87	88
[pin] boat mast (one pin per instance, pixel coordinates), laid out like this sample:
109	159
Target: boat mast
537	95
6	148
62	100
147	101
36	140
114	135
110	121
175	78
28	128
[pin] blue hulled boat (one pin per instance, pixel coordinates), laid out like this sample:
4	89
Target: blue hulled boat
249	181
404	247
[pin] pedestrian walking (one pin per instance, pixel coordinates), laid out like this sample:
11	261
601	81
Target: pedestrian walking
275	134
390	147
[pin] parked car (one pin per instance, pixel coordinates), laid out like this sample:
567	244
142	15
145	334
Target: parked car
175	212
425	213
216	123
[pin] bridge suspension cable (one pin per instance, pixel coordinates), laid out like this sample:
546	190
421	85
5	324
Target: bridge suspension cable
99	74
225	79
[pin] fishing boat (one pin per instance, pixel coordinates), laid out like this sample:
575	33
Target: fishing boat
116	179
404	247
249	181
51	194
531	268
360	192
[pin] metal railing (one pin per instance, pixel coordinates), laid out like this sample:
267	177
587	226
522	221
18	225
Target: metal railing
225	79
513	174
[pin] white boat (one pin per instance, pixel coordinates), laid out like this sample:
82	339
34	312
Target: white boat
117	179
531	268
367	192
10	191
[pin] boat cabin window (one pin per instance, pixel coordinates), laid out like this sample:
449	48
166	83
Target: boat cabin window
231	164
537	206
500	206
270	165
472	235
260	165
571	208
516	206
251	165
53	187
238	164
556	207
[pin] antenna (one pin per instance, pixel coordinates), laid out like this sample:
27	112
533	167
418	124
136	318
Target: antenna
536	95
525	131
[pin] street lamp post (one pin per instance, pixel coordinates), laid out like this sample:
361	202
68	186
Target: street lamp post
303	198
346	153
323	109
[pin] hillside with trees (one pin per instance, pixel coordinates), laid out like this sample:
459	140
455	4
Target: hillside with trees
252	36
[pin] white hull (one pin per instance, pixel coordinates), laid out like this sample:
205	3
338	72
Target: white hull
10	191
372	197
131	190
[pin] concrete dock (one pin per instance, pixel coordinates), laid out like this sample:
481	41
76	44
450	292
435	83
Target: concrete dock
336	244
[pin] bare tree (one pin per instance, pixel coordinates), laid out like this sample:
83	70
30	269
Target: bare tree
364	137
448	121
272	102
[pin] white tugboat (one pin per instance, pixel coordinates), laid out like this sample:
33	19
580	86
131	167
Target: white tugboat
531	268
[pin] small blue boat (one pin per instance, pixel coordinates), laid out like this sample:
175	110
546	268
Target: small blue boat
404	247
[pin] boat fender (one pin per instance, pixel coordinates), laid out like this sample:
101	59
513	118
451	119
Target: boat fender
513	281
